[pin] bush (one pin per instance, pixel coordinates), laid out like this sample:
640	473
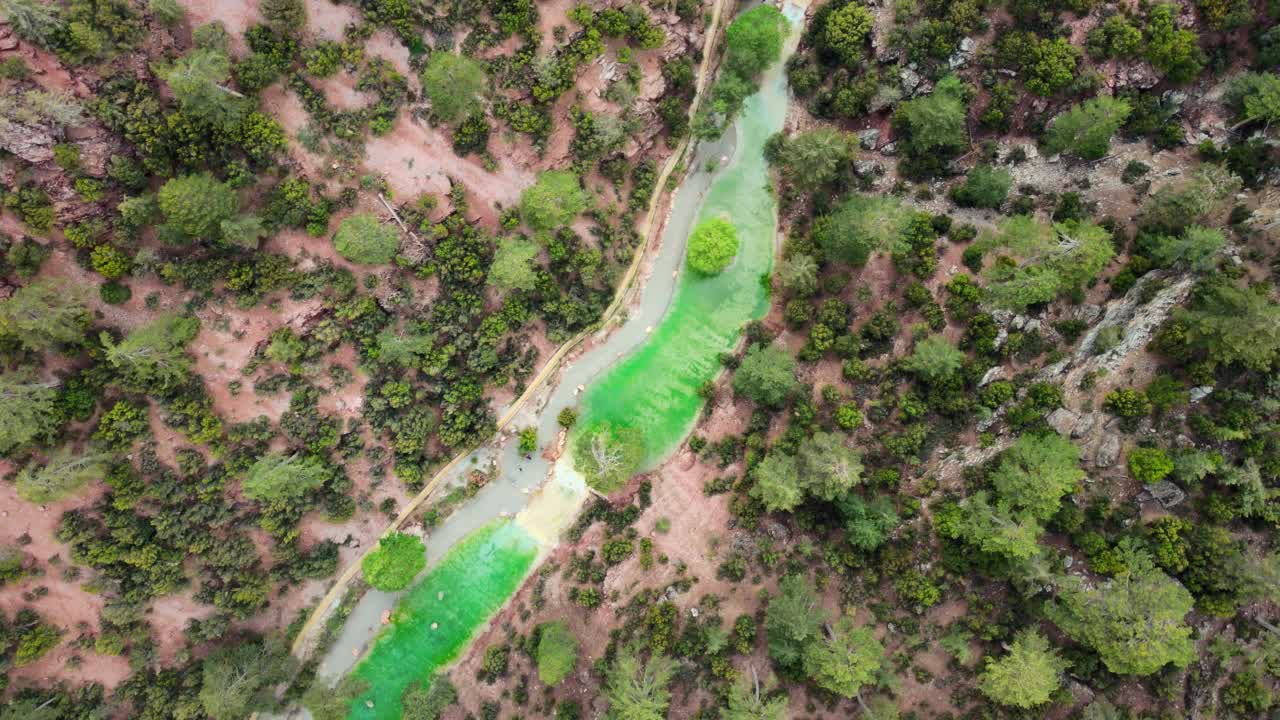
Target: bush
365	240
554	200
932	129
712	246
1086	129
557	652
1173	51
196	205
397	560
453	83
766	375
984	187
1149	464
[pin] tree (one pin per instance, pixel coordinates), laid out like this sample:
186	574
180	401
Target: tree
280	477
428	699
1175	207
1173	51
27	409
638	690
333	703
748	701
1194	249
778	483
845	660
240	678
994	529
1036	472
1085	129
153	357
798	274
984	187
168	12
365	240
1052	65
34	20
554	200
197	80
197	205
793	621
934	359
64	473
288	17
829	468
766	376
1149	464
242	231
1135	622
514	264
712	246
1233	325
1037	261
753	41
845	32
815	158
396	561
454	84
557	652
45	314
867	524
1255	97
1027	676
860	226
608	455
932	128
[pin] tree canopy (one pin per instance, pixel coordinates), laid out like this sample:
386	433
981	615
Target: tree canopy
608	455
1036	261
513	265
454	84
1036	472
753	41
396	561
364	239
65	472
554	200
30	410
283	477
767	375
557	652
712	246
932	128
934	359
859	226
1085	129
845	660
1233	325
196	206
638	689
154	356
45	314
1027	676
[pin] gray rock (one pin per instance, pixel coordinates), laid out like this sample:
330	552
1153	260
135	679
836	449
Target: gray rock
967	45
1067	562
889	149
1088	313
867	168
1062	420
1108	451
1002	317
1019	321
910	79
991	375
1166	493
1199	393
869	138
1084	425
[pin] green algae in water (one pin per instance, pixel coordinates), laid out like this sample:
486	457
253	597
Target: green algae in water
476	577
655	388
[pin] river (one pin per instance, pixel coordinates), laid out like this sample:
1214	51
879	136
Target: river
645	372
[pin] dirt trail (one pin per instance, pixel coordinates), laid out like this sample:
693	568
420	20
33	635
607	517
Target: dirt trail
646	228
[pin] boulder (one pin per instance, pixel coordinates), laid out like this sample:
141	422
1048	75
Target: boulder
1166	493
869	138
1062	420
1108	452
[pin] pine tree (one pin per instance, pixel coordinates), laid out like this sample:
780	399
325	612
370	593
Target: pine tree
30	409
45	314
1027	676
153	357
638	690
64	473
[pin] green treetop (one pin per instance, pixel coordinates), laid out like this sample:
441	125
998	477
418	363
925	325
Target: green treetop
934	359
280	477
513	265
749	699
197	80
454	84
608	455
1085	130
766	375
846	30
1233	325
845	660
363	239
712	246
1135	622
932	128
1027	676
153	357
557	652
860	226
793	621
1036	261
753	41
1036	472
238	678
65	472
814	158
396	561
30	409
197	205
638	690
1255	97
45	314
554	200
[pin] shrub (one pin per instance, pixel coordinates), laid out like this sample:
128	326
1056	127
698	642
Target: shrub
1085	130
1149	464
396	561
557	652
554	200
845	32
365	240
453	83
1173	51
196	205
766	375
712	246
932	128
984	187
